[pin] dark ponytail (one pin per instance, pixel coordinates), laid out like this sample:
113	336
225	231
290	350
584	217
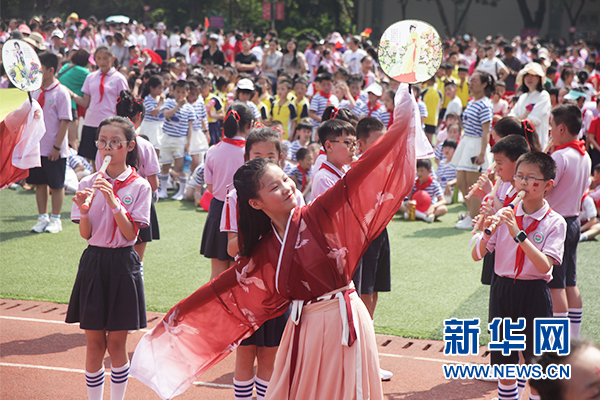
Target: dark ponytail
129	105
253	224
513	126
152	82
238	116
487	79
344	114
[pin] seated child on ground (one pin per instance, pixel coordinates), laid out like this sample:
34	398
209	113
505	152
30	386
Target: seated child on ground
454	133
446	173
424	181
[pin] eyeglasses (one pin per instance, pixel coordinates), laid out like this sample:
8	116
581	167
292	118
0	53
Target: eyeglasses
113	144
526	179
351	144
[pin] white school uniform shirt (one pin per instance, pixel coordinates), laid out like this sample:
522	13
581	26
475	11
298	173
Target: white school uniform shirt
539	115
322	157
588	210
352	60
455	106
114	82
324	179
231	208
135	198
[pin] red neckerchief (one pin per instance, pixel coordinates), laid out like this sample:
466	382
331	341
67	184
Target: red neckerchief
578	145
42	99
520	260
377	107
328	168
235	142
116	187
102	85
391	120
508	200
303	177
322	93
422	186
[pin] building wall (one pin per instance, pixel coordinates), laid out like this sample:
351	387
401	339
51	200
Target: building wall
481	20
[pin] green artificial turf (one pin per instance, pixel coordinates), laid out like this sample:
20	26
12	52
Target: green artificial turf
433	275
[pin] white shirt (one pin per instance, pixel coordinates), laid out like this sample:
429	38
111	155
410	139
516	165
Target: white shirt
539	115
454	106
352	60
492	66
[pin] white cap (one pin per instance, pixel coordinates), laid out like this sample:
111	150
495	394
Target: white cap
245	84
375	88
58	33
161	25
213	36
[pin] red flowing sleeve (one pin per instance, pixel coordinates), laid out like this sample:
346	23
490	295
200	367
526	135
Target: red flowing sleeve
360	205
204	328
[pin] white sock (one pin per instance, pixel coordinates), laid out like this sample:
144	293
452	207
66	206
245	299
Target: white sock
243	389
44	215
95	384
420	214
162	182
583	237
521	386
118	381
182	184
261	388
54	216
534	397
560	315
575	316
507	392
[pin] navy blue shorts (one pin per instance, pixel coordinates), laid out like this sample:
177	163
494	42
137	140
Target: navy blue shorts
518	299
51	173
376	275
565	275
87	145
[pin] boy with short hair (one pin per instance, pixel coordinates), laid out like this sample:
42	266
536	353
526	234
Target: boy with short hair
373	108
215	112
462	86
284	110
302	135
446	172
320	100
425	181
55	101
432	98
529	241
572	173
338	139
177	136
453	131
375	269
454	103
301	173
302	103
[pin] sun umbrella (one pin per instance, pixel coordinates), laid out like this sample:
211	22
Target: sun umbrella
119	19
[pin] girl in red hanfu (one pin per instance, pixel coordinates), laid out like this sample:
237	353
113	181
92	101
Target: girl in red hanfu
300	255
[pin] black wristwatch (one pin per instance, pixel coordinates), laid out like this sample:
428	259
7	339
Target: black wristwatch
521	236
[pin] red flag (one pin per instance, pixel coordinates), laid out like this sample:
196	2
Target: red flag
155	58
206	22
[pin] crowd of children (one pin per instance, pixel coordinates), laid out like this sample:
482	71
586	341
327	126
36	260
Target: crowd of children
207	103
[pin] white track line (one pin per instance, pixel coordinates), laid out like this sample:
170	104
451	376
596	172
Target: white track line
49	321
80	371
439	360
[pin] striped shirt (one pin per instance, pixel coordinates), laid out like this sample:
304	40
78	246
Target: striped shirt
318	104
293	149
177	125
434	190
438	153
200	111
289	167
197	178
477	113
445	173
296	173
73	160
254	109
150	104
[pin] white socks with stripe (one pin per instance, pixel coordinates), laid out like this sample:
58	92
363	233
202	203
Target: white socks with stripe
162	185
118	381
261	388
508	392
521	386
243	389
182	185
575	315
95	384
534	397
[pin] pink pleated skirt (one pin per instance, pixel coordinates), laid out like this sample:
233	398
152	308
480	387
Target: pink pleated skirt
326	369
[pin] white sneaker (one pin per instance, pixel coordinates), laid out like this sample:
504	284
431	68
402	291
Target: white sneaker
177	196
162	193
465	223
406	216
385	375
42	223
429	219
54	226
